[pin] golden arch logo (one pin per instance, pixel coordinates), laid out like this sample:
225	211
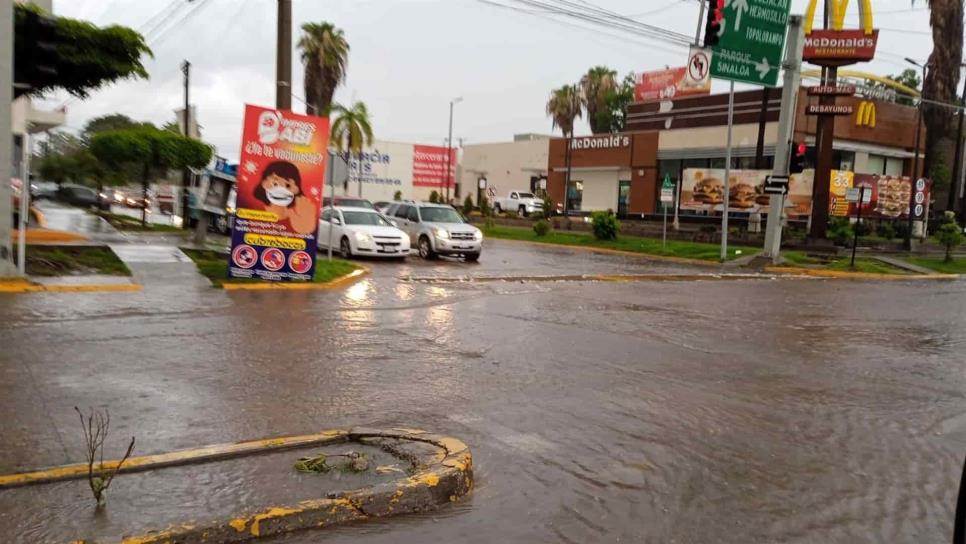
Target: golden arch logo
865	117
837	15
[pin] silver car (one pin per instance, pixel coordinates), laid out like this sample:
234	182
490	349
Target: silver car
438	229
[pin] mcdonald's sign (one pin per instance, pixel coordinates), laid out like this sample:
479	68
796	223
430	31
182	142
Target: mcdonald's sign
865	117
837	46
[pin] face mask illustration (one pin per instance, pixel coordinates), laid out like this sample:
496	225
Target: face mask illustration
280	196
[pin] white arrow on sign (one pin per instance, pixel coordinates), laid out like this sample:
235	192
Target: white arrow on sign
740	6
762	68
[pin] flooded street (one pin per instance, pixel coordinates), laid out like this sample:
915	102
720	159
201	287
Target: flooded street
738	411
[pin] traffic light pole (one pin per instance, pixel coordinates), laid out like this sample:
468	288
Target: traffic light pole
6	144
786	123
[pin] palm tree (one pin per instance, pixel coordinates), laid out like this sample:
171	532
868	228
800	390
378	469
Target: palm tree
325	54
942	78
597	85
565	105
351	131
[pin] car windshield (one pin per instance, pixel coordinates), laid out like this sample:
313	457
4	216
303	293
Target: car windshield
525	195
440	215
354	203
364	218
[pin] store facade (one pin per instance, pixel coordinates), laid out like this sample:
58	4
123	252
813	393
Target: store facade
497	169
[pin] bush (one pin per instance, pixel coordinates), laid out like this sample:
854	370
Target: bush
605	225
468	205
485	210
488	223
548	207
950	235
886	230
434	197
541	227
839	230
511	214
397	196
862	228
902	230
708	229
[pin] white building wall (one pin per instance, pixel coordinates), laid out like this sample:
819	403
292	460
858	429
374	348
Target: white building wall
600	189
507	166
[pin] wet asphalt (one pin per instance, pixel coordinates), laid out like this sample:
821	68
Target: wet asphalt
703	411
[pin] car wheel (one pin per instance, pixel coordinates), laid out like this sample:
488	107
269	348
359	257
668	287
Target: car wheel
345	250
221	223
472	257
426	250
523	211
497	209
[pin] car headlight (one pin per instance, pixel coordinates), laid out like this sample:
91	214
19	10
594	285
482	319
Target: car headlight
363	237
442	234
478	235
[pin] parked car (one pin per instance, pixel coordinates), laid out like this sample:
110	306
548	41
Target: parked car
347	201
381	206
438	229
362	231
521	203
43	189
84	197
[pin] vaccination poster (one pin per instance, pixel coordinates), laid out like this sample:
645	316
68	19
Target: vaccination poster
280	178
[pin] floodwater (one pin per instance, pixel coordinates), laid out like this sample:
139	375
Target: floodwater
741	411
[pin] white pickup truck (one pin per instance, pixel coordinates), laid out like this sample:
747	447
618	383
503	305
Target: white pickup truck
521	203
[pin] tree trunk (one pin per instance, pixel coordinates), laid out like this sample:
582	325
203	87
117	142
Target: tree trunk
942	78
144	194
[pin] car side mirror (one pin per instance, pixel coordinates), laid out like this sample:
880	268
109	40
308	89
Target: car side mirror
336	221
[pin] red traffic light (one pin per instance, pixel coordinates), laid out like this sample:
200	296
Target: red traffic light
801	149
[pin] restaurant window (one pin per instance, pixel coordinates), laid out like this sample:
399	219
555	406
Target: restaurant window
575	195
697	163
876	164
671	168
843	160
893	166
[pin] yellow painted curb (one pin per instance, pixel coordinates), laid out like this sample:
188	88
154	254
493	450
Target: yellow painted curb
24	286
44	236
608	251
846	275
302	285
147	462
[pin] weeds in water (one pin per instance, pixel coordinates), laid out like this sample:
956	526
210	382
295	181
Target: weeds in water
96	427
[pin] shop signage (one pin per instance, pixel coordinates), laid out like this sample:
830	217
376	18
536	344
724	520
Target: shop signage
886	197
831	90
429	166
702	190
837	46
866	115
854	194
828	109
279	195
667	190
601	142
752	41
672	83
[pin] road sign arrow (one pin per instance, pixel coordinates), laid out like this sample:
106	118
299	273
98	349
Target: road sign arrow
740	6
762	67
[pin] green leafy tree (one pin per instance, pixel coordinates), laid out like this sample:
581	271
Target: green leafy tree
151	150
434	197
541	227
351	130
397	196
564	107
950	235
325	54
615	115
113	121
467	205
84	57
597	85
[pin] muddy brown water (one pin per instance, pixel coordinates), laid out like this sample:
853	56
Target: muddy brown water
748	411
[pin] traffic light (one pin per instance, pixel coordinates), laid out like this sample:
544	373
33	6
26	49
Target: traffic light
712	30
35	51
802	157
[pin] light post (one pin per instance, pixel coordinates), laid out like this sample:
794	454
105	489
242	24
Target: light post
449	145
907	244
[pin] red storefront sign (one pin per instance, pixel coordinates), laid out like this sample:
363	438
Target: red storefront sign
668	84
839	47
429	166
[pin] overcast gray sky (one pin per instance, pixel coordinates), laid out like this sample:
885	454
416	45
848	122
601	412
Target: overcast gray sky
409	58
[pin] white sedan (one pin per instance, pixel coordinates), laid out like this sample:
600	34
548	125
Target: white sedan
361	232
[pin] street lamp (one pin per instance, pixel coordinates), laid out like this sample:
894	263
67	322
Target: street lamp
449	145
915	161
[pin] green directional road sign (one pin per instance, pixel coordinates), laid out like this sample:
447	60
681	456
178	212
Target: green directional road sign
751	42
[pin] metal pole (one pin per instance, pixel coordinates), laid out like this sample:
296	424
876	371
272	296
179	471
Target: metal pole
664	237
449	151
7	267
186	174
907	244
956	189
858	221
786	127
283	57
727	189
697	32
24	207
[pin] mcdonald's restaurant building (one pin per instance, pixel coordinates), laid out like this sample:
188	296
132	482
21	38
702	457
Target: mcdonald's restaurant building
623	172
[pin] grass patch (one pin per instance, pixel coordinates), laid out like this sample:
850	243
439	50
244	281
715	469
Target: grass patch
635	244
799	258
958	266
74	260
214	266
129	223
864	264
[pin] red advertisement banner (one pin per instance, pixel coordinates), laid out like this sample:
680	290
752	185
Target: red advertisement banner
429	166
667	84
280	178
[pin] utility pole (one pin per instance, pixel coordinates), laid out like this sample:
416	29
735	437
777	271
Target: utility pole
956	179
6	137
449	145
825	137
186	174
786	127
283	57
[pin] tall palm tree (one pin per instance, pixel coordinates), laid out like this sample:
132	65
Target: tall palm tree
942	78
351	131
565	105
325	54
597	85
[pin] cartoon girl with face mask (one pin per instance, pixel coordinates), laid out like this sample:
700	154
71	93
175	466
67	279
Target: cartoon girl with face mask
281	191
